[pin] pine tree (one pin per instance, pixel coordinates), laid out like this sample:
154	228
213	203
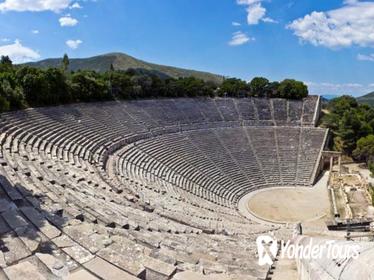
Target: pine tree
65	62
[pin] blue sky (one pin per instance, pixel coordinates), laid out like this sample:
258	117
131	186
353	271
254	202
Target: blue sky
326	43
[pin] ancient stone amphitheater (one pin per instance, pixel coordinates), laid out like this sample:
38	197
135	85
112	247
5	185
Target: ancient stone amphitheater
147	189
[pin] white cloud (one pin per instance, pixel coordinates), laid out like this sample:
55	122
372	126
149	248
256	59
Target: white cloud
255	11
352	24
364	57
75	6
355	89
5	40
19	53
234	23
68	21
35	31
34	5
239	38
269	20
73	44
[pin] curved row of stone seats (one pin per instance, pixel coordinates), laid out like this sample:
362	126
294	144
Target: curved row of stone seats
246	109
48	133
222	165
164	112
91	172
295	112
227	109
211	191
260	152
280	111
185	111
208	109
44	191
193	174
263	109
140	114
143	180
91	197
91	130
167	197
164	196
70	184
289	146
309	110
48	245
264	150
177	208
310	150
308	161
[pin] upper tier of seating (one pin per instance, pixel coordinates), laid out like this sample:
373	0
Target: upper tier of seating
89	130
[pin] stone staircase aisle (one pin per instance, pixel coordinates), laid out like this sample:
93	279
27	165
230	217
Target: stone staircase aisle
285	269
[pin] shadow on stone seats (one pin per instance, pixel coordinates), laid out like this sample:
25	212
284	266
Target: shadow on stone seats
26	227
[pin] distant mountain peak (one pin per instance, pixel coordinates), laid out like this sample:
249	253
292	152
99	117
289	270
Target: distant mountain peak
122	61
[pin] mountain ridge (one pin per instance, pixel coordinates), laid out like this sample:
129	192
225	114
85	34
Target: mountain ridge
121	61
366	99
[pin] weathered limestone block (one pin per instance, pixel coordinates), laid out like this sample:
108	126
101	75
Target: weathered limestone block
23	271
29	236
126	254
55	266
189	275
108	271
86	235
63	241
14	219
13	249
80	275
40	222
78	253
158	270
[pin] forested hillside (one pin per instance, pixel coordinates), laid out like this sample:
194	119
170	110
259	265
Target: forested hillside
24	86
352	125
124	62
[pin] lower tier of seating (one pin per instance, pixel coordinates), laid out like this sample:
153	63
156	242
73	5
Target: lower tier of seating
41	244
221	165
60	219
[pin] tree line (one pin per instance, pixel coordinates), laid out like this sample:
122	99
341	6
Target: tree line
23	86
352	126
